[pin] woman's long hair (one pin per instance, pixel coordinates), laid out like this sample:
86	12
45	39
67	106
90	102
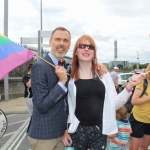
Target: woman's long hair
75	61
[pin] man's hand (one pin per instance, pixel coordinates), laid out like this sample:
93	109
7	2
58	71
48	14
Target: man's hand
66	139
101	69
62	74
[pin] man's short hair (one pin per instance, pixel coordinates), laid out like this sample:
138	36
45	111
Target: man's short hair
60	28
116	68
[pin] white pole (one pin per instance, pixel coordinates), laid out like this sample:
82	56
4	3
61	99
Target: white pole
137	60
6	90
41	30
41	15
115	52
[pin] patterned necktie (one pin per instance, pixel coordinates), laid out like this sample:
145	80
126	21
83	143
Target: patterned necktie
61	62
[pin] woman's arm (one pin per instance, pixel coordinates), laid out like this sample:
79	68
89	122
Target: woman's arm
136	100
122	97
28	84
66	139
111	136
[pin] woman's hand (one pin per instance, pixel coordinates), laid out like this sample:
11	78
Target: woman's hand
66	139
135	81
111	136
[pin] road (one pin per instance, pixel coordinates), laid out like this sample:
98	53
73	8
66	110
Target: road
15	137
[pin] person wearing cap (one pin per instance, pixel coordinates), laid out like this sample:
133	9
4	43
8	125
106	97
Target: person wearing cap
114	76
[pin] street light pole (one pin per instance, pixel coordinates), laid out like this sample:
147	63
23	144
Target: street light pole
115	52
6	91
137	60
41	30
41	15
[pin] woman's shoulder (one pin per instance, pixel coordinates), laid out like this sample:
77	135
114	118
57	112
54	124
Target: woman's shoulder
106	76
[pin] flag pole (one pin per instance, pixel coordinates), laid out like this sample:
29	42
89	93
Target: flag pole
49	63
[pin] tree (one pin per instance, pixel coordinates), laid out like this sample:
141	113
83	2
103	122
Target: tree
134	66
120	66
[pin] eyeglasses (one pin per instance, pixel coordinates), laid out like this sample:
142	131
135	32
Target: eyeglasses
83	46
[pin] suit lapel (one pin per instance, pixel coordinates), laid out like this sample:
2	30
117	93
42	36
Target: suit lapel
47	57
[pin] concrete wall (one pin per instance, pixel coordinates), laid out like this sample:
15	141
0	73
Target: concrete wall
16	88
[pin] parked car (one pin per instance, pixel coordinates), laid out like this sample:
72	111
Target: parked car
122	79
137	73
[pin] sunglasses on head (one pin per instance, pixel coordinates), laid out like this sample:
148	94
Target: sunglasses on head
83	46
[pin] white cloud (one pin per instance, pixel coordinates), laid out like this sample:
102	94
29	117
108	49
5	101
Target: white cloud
105	20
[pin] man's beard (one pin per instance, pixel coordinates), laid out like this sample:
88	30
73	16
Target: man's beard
60	55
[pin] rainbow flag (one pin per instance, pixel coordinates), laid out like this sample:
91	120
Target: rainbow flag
12	55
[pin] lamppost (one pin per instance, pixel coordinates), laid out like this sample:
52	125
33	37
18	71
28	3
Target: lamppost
137	60
6	85
115	52
41	23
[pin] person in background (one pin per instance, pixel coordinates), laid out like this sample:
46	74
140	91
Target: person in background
114	76
49	86
92	99
140	116
28	91
68	68
119	141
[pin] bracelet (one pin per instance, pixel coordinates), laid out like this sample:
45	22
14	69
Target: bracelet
129	90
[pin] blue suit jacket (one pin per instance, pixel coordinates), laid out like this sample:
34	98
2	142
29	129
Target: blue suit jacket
50	111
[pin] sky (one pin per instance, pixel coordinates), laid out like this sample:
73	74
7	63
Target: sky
127	21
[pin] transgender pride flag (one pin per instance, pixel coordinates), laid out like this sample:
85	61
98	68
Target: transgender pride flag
12	55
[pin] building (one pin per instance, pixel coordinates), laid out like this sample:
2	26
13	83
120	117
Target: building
125	64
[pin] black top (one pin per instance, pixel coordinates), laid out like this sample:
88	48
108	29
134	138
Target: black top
89	101
27	91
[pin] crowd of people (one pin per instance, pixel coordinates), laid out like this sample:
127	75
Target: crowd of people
81	108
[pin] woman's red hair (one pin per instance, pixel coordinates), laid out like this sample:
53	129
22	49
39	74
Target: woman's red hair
75	62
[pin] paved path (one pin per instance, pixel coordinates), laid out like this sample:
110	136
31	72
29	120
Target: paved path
13	106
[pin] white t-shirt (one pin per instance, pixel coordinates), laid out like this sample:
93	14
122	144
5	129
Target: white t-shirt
114	75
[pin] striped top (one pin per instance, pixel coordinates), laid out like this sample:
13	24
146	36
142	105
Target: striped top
122	137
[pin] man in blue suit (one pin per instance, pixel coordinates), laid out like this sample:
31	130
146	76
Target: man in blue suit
50	111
